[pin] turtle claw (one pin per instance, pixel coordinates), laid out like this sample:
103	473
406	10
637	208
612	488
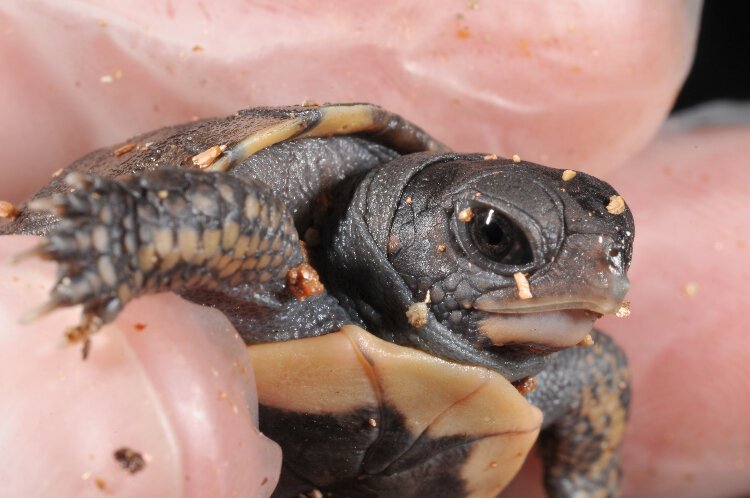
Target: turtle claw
36	313
38	251
43	204
81	333
87	245
78	180
71	205
91	322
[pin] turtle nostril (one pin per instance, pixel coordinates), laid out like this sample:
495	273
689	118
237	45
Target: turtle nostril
614	257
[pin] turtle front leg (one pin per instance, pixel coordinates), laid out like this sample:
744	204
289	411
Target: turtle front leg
170	229
584	393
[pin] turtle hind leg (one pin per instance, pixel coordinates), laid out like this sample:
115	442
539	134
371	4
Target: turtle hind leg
584	393
170	229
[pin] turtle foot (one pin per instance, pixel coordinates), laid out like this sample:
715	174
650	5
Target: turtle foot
164	230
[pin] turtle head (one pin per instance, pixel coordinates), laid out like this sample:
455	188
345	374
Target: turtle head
518	260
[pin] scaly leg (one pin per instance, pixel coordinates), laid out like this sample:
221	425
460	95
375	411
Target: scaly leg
170	229
584	393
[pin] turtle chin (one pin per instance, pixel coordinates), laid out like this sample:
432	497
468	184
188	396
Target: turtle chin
542	330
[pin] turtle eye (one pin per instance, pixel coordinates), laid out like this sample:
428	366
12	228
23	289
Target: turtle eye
499	239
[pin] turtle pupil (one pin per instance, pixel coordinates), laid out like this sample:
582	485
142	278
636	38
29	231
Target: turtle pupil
493	232
499	239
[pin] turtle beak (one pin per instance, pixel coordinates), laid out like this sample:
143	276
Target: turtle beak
585	281
556	329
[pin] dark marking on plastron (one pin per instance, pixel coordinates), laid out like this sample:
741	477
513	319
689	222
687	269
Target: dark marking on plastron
335	450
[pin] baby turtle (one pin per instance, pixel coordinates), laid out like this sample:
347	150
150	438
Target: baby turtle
415	316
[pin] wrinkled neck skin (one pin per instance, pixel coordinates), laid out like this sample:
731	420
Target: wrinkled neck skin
361	276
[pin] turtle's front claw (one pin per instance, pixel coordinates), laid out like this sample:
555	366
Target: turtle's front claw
90	246
82	333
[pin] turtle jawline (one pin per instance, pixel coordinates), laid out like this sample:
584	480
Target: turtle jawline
537	332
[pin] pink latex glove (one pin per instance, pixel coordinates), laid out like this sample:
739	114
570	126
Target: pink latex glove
573	84
169	380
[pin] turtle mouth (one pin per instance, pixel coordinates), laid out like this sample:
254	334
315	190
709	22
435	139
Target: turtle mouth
554	330
550	326
607	307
